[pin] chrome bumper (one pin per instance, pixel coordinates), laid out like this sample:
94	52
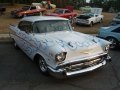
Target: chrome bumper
86	70
79	68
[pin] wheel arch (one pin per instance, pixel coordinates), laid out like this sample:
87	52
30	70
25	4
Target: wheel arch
36	56
111	37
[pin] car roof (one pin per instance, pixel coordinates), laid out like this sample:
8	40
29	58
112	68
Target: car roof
41	18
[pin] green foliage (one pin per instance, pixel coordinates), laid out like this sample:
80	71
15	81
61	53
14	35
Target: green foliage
107	4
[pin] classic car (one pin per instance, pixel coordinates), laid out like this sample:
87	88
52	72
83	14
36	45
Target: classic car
28	11
56	48
65	13
112	34
90	18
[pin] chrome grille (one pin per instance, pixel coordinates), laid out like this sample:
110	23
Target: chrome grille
83	64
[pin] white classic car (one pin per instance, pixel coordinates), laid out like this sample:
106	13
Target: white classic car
51	42
90	18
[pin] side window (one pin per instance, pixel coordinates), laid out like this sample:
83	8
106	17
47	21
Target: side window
32	8
25	26
21	26
117	30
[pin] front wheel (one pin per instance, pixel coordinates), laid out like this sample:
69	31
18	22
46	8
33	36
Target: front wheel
42	65
114	42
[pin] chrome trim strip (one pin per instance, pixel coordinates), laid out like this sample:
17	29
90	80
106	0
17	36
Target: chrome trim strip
86	70
77	72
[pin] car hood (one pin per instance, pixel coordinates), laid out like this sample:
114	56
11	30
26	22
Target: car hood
77	45
83	17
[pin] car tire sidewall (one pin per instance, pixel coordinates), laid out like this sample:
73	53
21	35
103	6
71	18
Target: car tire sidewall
42	65
113	40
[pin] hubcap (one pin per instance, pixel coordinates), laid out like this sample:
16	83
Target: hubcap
42	65
113	43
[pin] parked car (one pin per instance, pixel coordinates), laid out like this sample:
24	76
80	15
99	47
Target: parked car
112	34
90	18
65	13
51	42
27	11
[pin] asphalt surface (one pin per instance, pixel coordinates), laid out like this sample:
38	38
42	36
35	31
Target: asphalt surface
18	72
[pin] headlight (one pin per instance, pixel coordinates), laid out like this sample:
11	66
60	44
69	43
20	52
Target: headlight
60	57
107	48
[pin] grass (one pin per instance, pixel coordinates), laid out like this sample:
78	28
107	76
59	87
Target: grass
6	19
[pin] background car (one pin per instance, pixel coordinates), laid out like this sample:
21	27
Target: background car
28	11
90	18
65	13
112	34
56	48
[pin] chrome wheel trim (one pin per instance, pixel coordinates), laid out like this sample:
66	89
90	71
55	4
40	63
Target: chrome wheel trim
42	65
113	42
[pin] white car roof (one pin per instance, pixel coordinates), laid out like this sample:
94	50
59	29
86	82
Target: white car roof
41	18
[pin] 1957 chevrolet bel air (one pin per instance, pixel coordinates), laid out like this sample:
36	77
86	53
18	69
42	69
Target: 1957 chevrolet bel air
51	42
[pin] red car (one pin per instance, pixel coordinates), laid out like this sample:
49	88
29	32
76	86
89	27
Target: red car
27	11
66	13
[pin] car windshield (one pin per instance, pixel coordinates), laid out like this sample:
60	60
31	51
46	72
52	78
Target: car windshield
90	14
51	26
26	7
58	11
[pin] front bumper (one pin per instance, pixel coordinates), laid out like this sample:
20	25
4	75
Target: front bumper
80	67
82	22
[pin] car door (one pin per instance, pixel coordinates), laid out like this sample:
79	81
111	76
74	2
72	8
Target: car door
116	33
21	34
27	43
96	18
